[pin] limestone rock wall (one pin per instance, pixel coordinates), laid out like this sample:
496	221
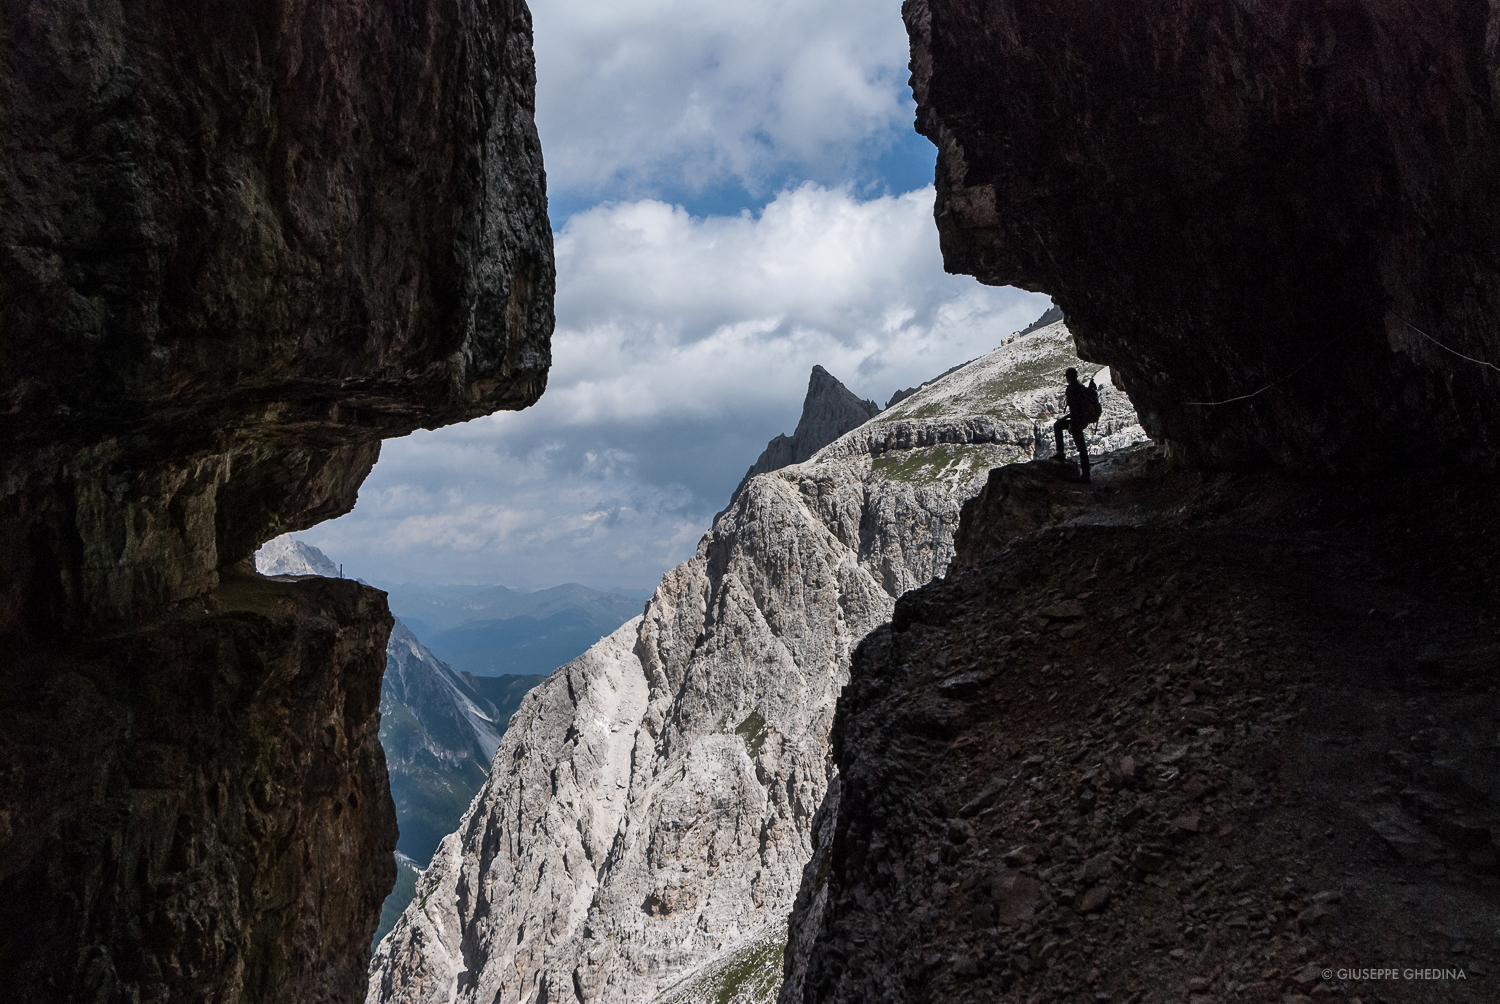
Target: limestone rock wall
652	806
649	804
198	809
239	245
1271	220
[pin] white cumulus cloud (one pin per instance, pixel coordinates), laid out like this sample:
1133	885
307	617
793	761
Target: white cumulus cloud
636	97
683	344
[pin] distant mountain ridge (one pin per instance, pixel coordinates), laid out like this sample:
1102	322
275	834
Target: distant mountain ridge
285	556
439	613
1051	315
438	727
496	631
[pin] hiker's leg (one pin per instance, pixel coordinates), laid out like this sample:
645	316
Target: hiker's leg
1083	450
1057	430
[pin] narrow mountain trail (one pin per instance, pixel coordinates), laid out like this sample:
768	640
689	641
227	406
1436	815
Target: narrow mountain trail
1175	737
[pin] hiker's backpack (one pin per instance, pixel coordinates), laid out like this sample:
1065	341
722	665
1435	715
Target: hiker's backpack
1091	409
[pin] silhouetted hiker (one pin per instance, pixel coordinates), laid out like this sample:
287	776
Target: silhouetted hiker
1083	410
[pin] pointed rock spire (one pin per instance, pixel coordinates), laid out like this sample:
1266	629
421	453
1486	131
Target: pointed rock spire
829	410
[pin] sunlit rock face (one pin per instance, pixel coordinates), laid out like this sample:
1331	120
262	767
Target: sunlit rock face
239	245
651	808
829	410
1299	200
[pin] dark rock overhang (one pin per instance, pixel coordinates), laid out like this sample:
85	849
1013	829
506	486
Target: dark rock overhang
1277	223
239	246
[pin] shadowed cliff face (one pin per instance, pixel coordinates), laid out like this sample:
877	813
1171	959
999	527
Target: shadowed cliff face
1172	737
239	245
1225	196
1199	735
198	810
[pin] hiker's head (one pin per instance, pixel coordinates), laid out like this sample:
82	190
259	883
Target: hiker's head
1072	375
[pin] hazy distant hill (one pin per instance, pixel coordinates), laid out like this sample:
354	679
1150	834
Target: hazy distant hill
496	630
439	611
439	731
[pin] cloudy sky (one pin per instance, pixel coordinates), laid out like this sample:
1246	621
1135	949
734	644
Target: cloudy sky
737	194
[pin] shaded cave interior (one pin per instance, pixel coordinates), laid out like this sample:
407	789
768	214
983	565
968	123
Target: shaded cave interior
1283	247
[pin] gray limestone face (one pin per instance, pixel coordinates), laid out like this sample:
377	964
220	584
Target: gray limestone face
285	556
650	810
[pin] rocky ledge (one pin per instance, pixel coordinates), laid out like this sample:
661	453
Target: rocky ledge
1178	737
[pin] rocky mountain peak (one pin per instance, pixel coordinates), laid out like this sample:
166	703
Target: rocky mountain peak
829	410
1051	315
285	556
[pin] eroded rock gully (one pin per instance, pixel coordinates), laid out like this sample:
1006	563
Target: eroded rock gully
1178	737
239	245
1230	196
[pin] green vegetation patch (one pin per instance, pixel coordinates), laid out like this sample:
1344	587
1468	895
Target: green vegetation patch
1023	378
927	464
1033	374
750	974
927	409
754	975
753	731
